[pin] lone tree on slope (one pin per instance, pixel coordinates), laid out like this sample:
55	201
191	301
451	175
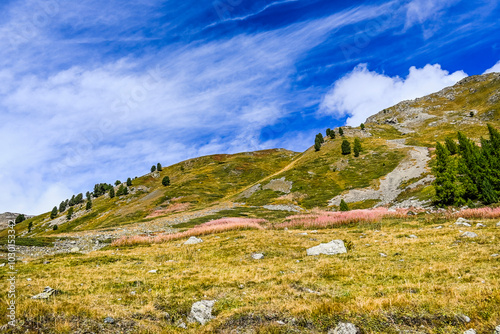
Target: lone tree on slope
346	147
343	205
357	147
165	181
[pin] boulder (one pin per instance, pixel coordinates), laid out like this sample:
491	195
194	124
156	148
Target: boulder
497	330
109	320
74	250
331	248
344	328
201	311
469	235
193	241
463	318
413	236
154	271
47	292
463	222
470	331
480	225
257	256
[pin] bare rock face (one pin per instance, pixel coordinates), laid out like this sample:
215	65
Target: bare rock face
201	311
8	216
331	248
279	185
344	328
193	241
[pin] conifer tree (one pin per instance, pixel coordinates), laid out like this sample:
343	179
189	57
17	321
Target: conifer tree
445	173
62	206
54	228
362	126
153	168
165	181
346	147
53	214
20	219
159	167
328	132
129	182
118	182
451	146
357	147
112	193
79	198
343	205
69	214
317	146
120	190
332	134
341	131
89	205
30	226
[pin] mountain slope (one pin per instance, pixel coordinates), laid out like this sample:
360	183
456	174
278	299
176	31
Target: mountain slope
392	169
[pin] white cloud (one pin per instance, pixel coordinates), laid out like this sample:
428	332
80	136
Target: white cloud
426	13
495	68
362	93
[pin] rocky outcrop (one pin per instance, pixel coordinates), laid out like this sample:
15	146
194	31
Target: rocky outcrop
8	216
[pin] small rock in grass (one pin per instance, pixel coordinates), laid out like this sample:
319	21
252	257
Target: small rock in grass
257	256
463	318
498	224
494	255
28	279
413	236
201	311
497	330
344	328
303	233
463	222
154	271
193	240
469	235
383	254
109	320
3	264
480	225
438	227
74	250
470	331
181	324
279	322
331	248
47	292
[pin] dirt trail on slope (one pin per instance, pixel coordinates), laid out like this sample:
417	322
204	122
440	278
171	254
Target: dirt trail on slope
413	166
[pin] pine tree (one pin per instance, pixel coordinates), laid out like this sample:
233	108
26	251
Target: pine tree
111	192
20	218
88	195
328	132
451	146
488	193
89	205
332	134
69	214
79	198
53	214
72	201
54	228
165	181
317	146
362	126
129	182
341	131
159	167
445	172
346	147
343	205
125	191
118	182
30	226
153	168
120	190
62	206
357	147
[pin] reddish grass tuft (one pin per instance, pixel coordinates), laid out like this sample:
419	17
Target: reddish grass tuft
324	219
214	226
481	213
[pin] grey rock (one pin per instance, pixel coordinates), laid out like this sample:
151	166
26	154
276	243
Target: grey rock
469	235
463	318
3	264
438	227
193	241
383	254
154	271
480	225
282	207
463	222
413	236
497	330
498	224
494	255
344	328
47	292
470	331
331	248
202	311
109	320
181	324
257	256
74	250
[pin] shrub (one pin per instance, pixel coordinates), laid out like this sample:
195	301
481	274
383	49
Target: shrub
54	228
165	181
362	126
343	205
20	218
89	205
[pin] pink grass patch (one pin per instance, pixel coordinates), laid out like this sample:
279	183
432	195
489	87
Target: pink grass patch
324	219
481	213
214	226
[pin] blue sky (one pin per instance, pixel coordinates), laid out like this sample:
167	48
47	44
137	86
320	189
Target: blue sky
94	91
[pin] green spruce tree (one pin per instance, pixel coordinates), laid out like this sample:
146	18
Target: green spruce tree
341	131
153	168
165	181
346	147
69	214
89	205
357	147
129	182
53	213
362	126
343	205
159	167
451	146
112	193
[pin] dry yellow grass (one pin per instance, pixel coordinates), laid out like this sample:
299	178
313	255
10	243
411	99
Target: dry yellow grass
422	282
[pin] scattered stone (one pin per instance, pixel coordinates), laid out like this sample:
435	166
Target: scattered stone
331	248
469	235
281	207
463	318
201	311
154	271
480	225
181	324
470	331
3	264
383	254
413	236
303	233
47	292
279	322
279	185
498	224
438	227
46	262
344	328
257	256
494	255
109	320
497	329
74	250
463	222
28	279
192	241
